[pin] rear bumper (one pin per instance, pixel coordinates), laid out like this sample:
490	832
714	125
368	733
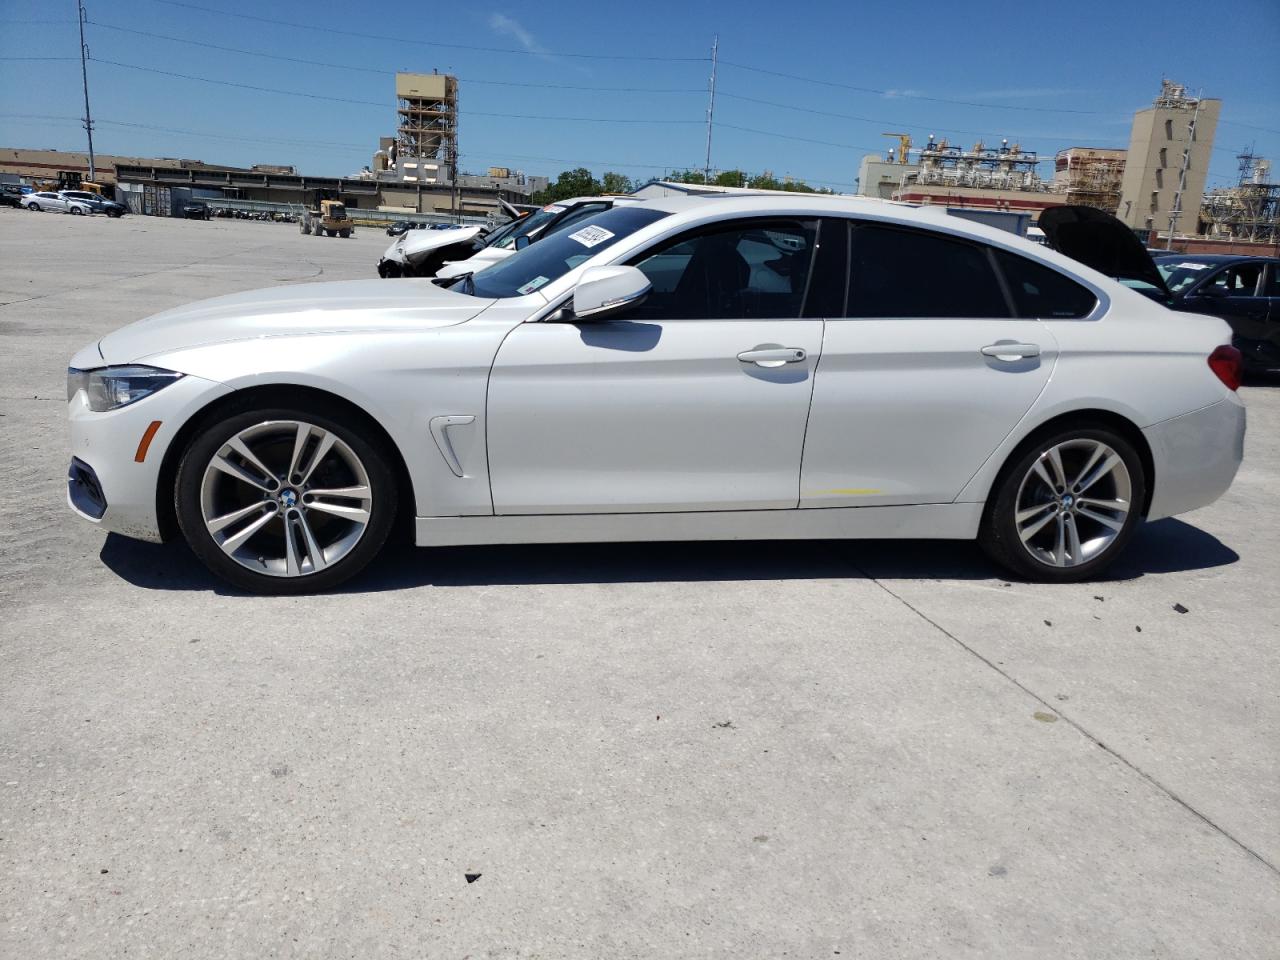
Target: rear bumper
1195	456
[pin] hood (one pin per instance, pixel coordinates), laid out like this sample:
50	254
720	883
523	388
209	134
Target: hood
304	309
416	242
1099	240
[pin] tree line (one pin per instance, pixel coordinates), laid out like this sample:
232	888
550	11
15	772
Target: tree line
581	182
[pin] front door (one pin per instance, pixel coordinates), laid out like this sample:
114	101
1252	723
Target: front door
696	400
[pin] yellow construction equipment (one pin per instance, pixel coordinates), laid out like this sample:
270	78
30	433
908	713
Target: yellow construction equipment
904	145
327	219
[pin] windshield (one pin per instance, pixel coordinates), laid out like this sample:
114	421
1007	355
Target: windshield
1181	274
501	233
526	225
556	254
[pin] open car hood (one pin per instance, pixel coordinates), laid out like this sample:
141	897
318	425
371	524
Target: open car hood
1099	240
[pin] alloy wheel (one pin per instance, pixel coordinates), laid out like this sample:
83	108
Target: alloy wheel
285	498
1073	503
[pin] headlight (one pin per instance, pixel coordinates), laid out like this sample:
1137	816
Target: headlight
108	388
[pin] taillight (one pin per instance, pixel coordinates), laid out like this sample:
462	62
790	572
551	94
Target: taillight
1227	363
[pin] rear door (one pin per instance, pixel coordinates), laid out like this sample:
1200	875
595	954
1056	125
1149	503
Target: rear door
928	367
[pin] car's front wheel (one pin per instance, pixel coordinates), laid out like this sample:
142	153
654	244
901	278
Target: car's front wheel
1066	505
285	501
76	211
33	206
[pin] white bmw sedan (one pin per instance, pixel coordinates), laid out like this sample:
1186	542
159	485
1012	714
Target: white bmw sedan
750	367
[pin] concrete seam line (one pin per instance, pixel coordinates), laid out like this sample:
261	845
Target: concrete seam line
1073	723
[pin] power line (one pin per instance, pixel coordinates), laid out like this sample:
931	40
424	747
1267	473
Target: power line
375	70
379	104
425	43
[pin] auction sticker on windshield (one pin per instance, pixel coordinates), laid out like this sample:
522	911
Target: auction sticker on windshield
532	285
591	236
1193	266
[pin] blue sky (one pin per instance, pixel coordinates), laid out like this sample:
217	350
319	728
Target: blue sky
1046	75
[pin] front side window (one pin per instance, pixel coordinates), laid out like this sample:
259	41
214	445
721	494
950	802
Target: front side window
915	273
1039	292
755	270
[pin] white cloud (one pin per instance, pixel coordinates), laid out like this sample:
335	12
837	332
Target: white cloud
507	26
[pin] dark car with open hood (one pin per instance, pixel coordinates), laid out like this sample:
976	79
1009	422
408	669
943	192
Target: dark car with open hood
1242	290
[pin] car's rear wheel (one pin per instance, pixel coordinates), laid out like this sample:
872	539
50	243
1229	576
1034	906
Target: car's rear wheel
1066	505
285	501
33	206
77	212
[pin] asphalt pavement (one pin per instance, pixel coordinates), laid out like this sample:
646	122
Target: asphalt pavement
800	749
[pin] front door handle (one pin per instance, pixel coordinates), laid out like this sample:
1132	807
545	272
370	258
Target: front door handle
772	356
1008	351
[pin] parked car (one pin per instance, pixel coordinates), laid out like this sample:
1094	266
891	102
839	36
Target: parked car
11	195
1242	290
403	226
556	216
95	203
196	210
44	200
653	374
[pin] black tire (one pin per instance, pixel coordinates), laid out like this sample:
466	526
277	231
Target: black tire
77	212
213	435
999	535
34	207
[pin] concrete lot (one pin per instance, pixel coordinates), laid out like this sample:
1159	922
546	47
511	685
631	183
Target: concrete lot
870	749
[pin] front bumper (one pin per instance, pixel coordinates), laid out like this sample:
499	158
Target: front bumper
1195	456
106	478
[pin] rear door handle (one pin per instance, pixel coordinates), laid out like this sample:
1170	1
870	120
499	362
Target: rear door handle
1011	351
772	356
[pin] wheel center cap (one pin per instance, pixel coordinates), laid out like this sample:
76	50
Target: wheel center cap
1067	501
288	498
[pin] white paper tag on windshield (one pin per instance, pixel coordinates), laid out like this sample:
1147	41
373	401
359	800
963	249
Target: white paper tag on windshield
532	285
590	236
1193	266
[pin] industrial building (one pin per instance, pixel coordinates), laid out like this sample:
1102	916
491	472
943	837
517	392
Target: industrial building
414	172
1168	161
1249	211
1089	176
1001	180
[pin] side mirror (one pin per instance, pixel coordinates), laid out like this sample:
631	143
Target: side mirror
604	292
523	241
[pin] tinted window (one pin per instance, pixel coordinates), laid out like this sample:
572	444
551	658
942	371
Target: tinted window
911	273
1038	291
747	271
1273	287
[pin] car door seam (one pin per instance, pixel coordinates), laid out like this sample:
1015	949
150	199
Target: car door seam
804	436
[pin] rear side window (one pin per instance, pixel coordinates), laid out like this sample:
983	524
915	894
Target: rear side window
1273	284
1040	292
914	273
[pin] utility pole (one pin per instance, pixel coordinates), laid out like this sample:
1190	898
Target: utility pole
84	74
711	106
1176	213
